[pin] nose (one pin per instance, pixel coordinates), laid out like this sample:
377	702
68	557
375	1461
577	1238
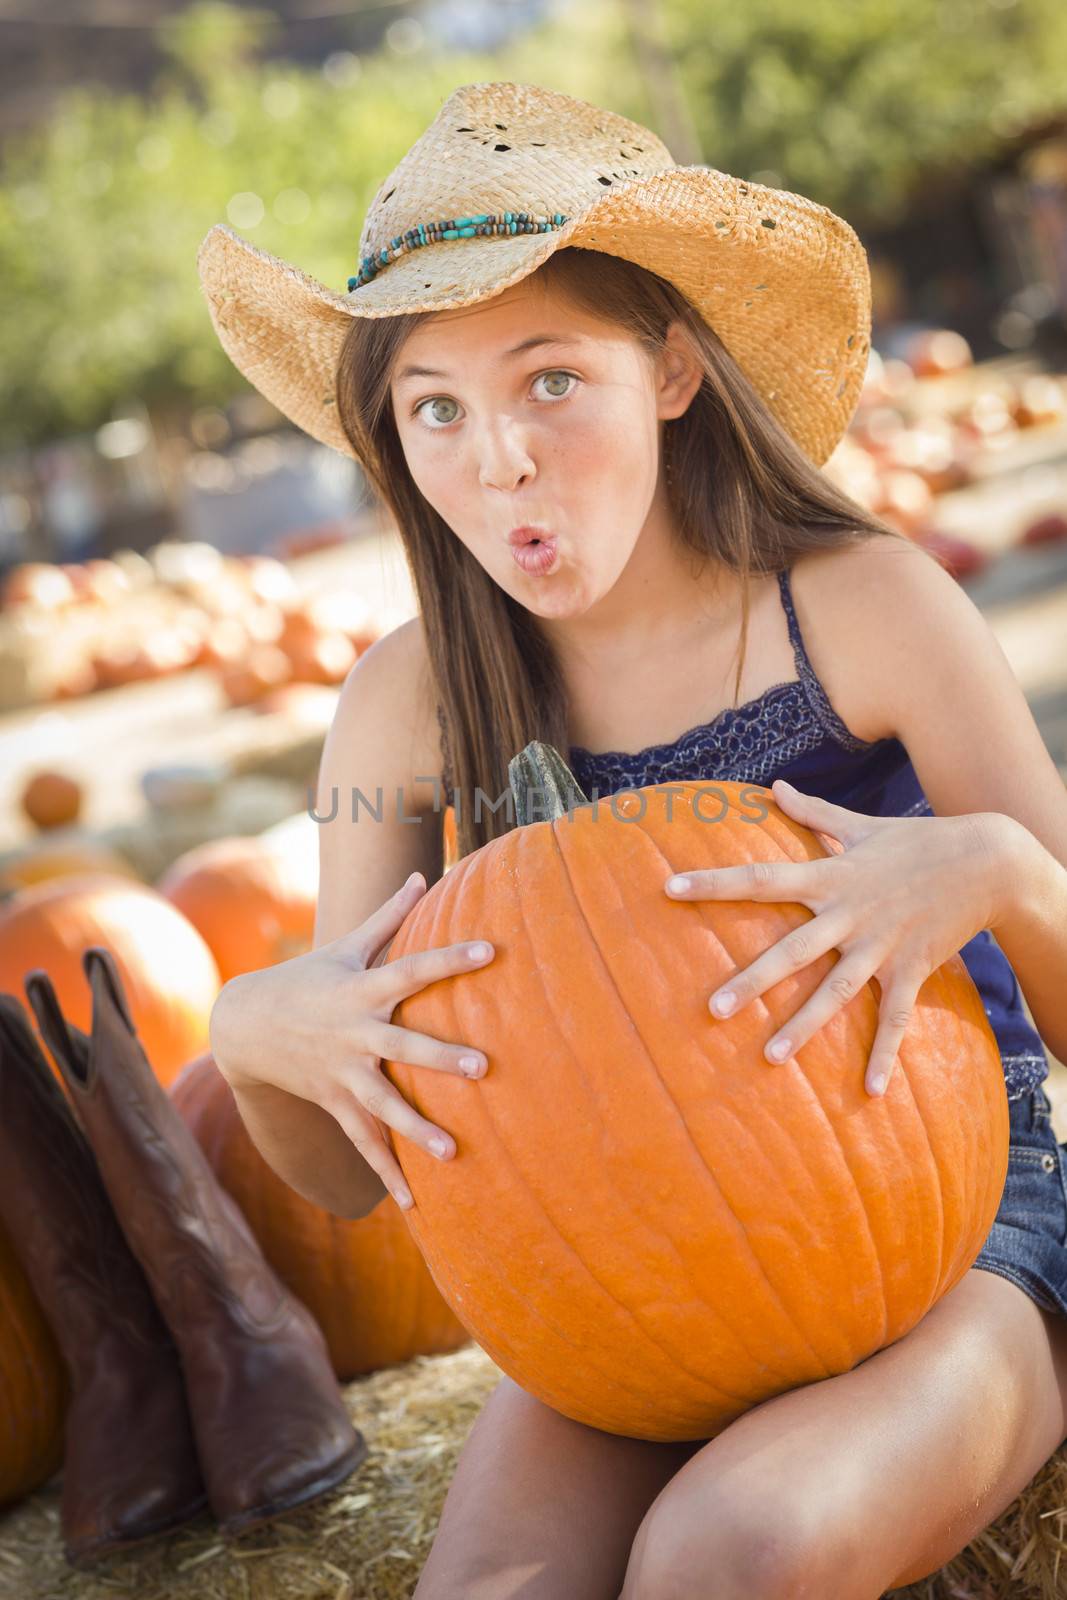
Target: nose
506	462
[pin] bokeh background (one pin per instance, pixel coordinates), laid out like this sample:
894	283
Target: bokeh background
185	580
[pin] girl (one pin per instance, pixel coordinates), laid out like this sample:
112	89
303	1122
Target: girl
595	390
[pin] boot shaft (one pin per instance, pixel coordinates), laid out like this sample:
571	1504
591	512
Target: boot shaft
58	1214
203	1262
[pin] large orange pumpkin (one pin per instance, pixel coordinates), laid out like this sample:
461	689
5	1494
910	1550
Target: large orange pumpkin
646	1224
253	904
363	1278
34	1386
169	973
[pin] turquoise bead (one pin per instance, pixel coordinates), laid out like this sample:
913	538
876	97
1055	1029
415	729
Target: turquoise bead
423	233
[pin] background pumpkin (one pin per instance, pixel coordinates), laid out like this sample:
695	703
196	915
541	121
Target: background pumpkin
169	974
51	799
646	1224
363	1278
34	1387
252	902
65	854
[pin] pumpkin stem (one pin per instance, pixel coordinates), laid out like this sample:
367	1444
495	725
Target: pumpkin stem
543	786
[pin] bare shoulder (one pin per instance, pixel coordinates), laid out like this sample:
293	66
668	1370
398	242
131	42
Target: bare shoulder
390	692
860	608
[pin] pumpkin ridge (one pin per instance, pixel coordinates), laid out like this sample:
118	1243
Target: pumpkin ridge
902	1068
629	1311
494	1347
780	838
967	1176
742	1232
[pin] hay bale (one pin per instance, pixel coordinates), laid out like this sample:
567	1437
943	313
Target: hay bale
370	1538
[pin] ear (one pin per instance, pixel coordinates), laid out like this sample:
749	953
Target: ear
681	372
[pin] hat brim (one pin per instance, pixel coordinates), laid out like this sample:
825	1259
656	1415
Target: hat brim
783	281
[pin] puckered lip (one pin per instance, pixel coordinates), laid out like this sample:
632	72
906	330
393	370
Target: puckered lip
523	535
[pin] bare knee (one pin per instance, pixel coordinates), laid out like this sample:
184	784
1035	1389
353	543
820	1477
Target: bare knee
541	1506
725	1550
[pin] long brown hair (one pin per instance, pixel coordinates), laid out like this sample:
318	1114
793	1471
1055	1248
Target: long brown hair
496	677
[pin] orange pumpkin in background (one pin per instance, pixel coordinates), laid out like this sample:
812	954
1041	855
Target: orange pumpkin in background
34	1386
169	974
362	1278
253	905
51	799
646	1224
60	855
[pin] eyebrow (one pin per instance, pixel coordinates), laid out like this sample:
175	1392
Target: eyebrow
532	343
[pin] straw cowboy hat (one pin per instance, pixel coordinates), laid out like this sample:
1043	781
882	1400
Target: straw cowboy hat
509	172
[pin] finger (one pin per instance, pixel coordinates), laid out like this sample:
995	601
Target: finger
412	972
379	1098
894	1014
382	924
819	814
393	1043
799	948
374	1149
848	976
754	880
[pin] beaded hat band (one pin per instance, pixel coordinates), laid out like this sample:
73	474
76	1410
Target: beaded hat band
525	171
454	228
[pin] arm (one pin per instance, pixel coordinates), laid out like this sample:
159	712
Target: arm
1031	928
370	743
933	665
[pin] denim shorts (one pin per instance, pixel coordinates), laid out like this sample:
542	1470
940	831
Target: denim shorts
1028	1240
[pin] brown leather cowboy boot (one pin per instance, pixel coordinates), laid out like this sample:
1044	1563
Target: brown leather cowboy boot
271	1429
130	1469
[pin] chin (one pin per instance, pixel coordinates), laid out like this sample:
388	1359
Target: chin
559	604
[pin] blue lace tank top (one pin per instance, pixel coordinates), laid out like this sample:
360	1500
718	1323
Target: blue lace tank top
792	731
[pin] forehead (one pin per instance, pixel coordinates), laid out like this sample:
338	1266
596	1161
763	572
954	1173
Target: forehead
501	330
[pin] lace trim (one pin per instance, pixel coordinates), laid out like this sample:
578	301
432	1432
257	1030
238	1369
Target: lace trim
754	752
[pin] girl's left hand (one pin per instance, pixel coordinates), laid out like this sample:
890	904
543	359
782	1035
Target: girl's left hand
902	896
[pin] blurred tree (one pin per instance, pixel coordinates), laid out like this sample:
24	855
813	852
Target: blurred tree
852	104
212	39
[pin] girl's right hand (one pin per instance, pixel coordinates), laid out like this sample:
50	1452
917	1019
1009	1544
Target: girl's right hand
318	1026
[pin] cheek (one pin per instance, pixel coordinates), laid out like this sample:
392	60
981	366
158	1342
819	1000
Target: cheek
433	471
606	453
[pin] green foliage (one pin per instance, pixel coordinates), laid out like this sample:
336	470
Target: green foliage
852	103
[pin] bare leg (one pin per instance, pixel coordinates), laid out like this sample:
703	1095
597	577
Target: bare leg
541	1507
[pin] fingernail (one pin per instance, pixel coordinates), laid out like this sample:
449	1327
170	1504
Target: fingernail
472	1065
723	1003
439	1147
677	885
878	1085
415	876
403	1198
478	952
779	1050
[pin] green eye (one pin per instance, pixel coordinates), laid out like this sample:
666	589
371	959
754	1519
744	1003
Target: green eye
446	400
438	400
